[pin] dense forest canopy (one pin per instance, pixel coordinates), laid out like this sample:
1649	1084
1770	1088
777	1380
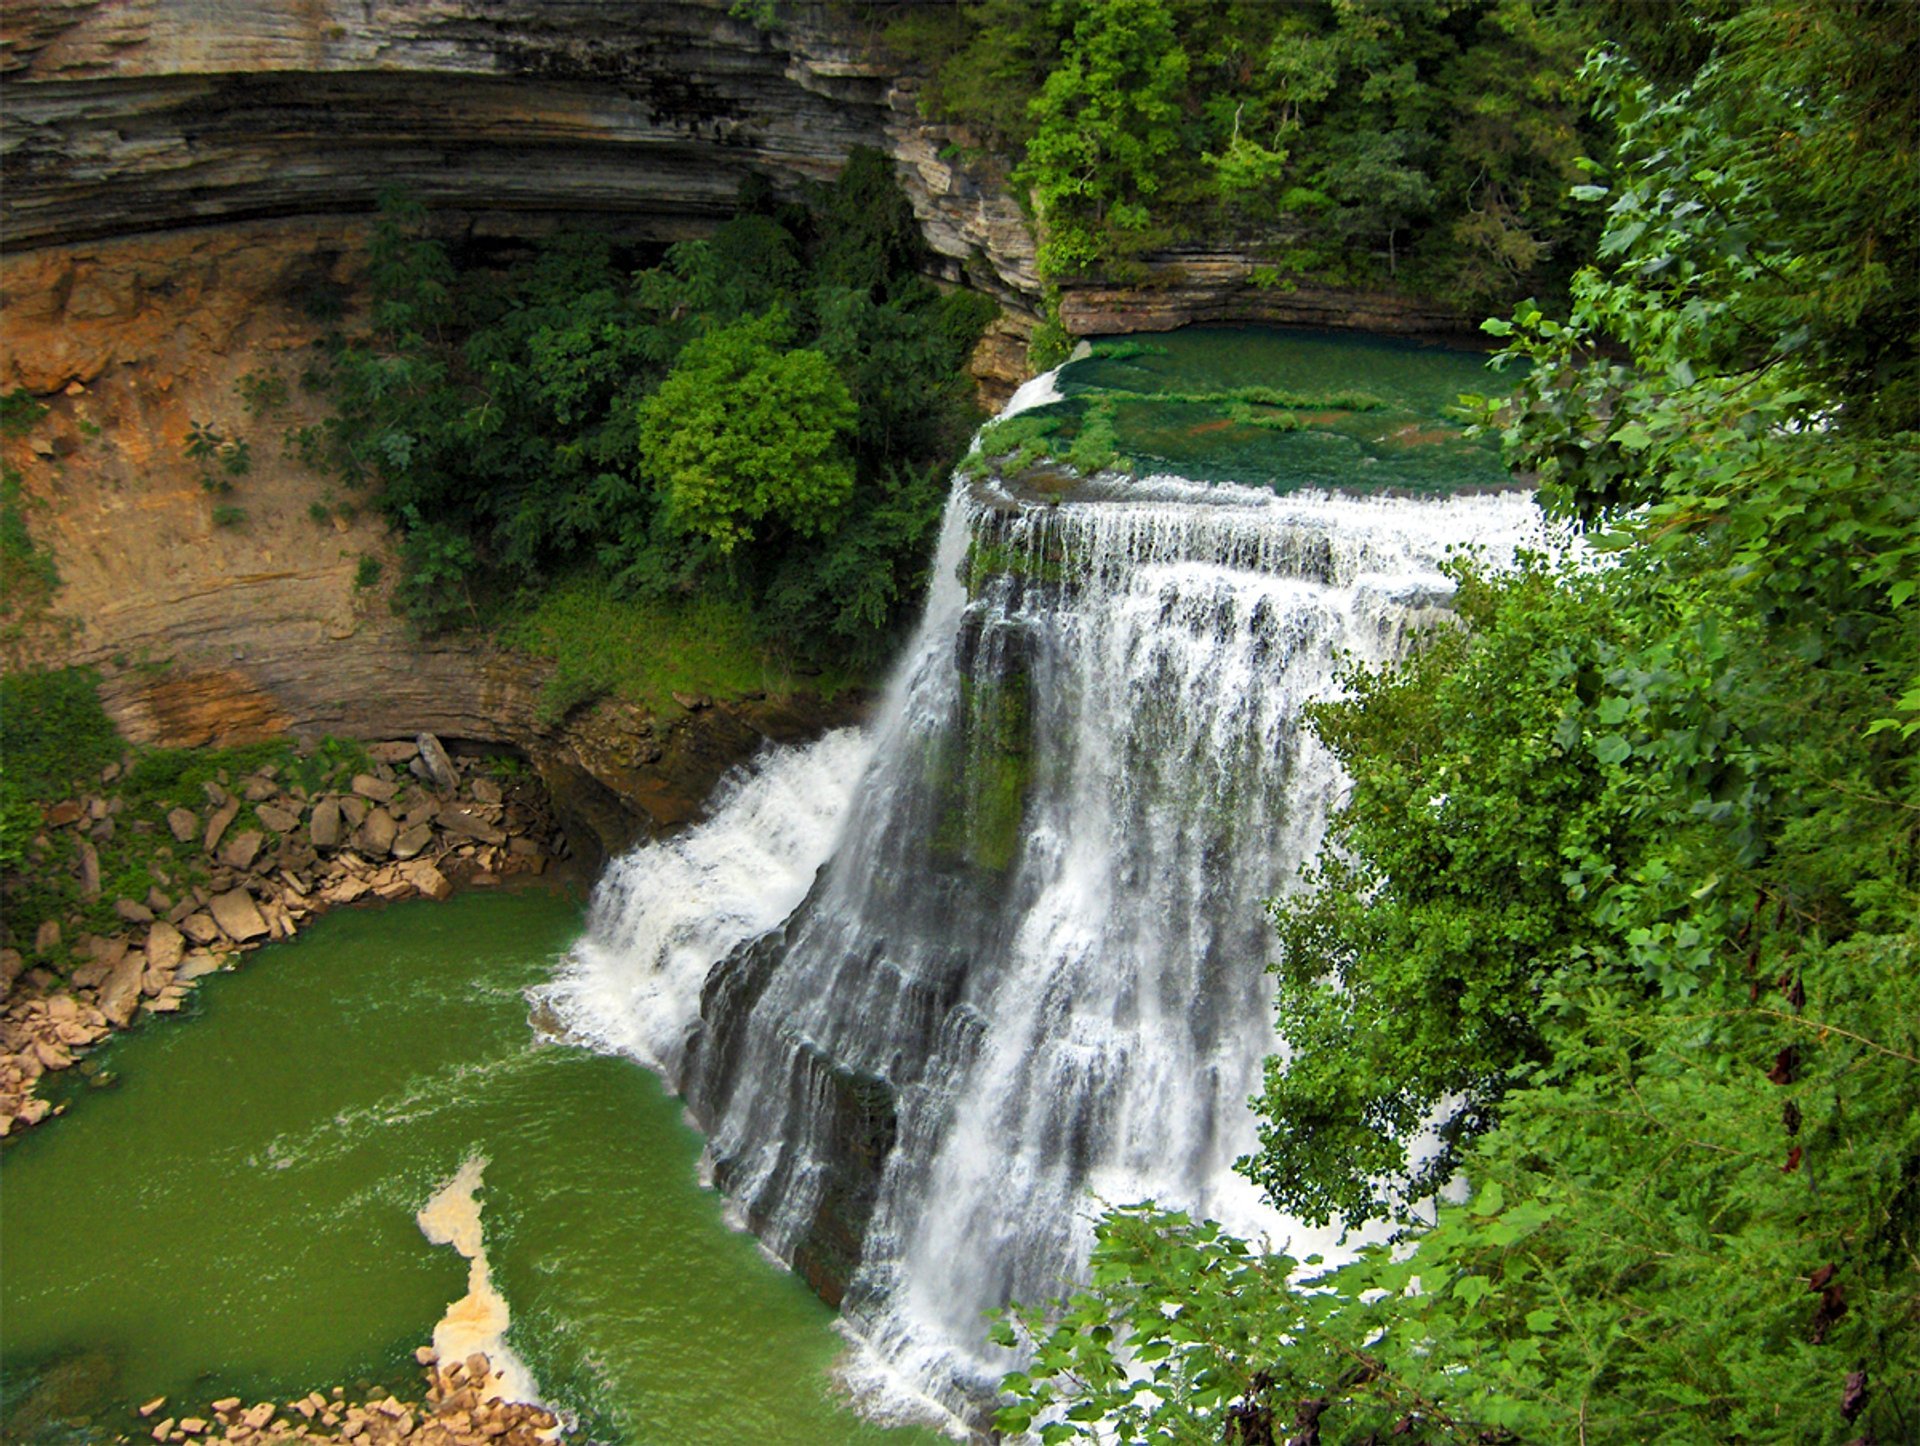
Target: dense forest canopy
768	414
1619	930
1355	142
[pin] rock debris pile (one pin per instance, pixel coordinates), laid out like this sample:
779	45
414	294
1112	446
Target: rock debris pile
462	1406
417	824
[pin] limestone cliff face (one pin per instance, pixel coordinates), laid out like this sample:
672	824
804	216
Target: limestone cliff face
176	174
224	627
645	116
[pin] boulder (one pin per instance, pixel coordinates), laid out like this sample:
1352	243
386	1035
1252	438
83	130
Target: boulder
120	992
198	965
217	825
400	751
238	917
468	822
259	788
89	870
158	902
200	928
412	842
375	837
62	814
427	879
439	767
277	818
47	936
133	913
184	823
487	790
242	849
377	789
325	827
354	810
165	945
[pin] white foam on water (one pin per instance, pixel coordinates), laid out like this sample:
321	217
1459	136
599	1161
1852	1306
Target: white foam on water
478	1321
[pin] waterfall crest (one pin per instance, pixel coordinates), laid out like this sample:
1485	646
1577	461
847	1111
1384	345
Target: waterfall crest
1030	972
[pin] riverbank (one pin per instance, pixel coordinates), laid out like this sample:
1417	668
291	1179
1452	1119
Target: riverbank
462	1405
264	855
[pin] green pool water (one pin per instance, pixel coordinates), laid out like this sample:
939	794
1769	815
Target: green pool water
234	1212
1413	441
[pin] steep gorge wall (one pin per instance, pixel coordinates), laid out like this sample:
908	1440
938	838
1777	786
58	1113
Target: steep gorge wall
175	177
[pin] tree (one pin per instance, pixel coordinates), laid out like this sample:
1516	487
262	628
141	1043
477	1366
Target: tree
742	433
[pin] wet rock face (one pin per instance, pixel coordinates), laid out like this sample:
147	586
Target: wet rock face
644	116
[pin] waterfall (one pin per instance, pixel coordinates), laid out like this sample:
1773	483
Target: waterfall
935	990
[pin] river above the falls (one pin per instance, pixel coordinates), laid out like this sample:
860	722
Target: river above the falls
234	1212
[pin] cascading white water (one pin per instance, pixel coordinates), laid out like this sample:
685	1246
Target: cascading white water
1032	968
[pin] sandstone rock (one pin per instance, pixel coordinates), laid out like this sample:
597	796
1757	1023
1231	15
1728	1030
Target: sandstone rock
692	702
89	871
258	1415
259	788
192	1425
413	841
238	917
468	823
280	820
165	946
61	814
120	990
226	1403
133	913
184	824
163	1430
324	828
10	966
486	790
198	965
375	837
354	810
216	795
242	849
377	789
344	892
399	751
427	879
425	1355
158	902
47	936
438	766
154	982
200	927
51	1053
217	825
155	1404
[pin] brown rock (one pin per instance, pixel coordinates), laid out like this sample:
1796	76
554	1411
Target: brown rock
163	1430
242	849
165	945
280	820
89	870
238	917
157	901
198	965
692	702
354	810
133	913
324	827
258	1415
400	751
200	928
375	837
192	1425
468	823
412	842
120	990
217	825
427	879
63	813
436	765
259	788
184	823
377	789
155	1404
486	790
47	936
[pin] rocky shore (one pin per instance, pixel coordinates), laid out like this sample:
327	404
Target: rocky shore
462	1405
417	823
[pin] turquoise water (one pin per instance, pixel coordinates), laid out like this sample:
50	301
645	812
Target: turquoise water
1413	441
234	1213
